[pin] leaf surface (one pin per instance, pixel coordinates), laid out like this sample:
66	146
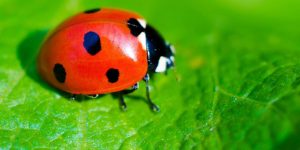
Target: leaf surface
238	64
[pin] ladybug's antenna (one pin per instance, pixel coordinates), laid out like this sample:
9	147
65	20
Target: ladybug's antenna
172	49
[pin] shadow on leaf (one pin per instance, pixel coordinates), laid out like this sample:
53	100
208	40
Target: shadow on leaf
27	54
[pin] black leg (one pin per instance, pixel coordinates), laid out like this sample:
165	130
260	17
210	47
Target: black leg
93	96
135	87
122	102
152	105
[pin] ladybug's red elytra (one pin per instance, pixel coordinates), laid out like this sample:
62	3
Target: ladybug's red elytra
104	51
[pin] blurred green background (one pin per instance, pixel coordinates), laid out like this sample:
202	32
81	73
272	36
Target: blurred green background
237	60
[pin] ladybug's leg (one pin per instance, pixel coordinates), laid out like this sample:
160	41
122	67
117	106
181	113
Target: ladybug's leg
93	96
122	102
73	97
134	87
152	105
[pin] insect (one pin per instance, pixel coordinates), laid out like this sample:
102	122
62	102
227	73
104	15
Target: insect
103	51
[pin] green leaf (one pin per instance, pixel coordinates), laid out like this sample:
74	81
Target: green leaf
238	64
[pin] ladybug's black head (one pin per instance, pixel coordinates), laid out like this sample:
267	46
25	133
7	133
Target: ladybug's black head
160	53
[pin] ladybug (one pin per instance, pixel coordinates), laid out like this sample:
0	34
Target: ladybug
103	51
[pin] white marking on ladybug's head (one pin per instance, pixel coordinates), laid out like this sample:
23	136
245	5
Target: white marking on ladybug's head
142	22
142	39
172	58
162	64
172	49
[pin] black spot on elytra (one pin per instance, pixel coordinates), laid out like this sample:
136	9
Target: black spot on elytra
92	10
59	72
135	27
112	75
92	43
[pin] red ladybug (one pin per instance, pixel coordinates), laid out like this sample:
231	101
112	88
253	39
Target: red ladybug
104	51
